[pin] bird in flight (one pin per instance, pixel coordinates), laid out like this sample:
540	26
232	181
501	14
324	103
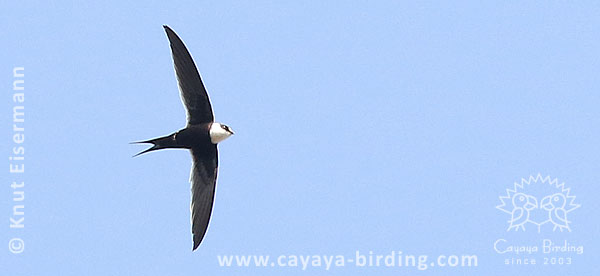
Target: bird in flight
200	136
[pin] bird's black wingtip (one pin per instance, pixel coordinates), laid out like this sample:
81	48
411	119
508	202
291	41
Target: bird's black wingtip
197	242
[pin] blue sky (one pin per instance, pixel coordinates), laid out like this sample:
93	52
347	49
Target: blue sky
372	126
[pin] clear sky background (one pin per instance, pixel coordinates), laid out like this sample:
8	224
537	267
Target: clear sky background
362	125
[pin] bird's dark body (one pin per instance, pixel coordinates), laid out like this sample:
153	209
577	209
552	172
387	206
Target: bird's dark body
194	136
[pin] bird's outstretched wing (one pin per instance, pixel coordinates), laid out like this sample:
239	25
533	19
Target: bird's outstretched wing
193	94
203	179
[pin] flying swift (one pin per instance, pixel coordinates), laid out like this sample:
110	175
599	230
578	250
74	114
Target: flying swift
200	136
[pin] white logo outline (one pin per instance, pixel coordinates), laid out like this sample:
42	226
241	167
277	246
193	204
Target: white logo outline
519	204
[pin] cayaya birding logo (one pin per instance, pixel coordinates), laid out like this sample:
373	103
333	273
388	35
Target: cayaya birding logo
538	202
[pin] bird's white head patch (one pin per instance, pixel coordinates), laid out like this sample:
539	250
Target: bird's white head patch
219	132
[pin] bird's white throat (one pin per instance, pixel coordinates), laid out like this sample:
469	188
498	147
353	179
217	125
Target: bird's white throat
218	133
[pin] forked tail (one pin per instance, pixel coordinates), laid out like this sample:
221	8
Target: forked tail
159	143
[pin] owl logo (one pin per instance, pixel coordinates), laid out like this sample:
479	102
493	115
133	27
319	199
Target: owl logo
525	210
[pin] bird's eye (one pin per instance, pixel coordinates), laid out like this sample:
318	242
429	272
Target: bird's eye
224	127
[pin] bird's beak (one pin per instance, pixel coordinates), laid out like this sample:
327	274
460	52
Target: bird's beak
531	203
231	131
547	203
